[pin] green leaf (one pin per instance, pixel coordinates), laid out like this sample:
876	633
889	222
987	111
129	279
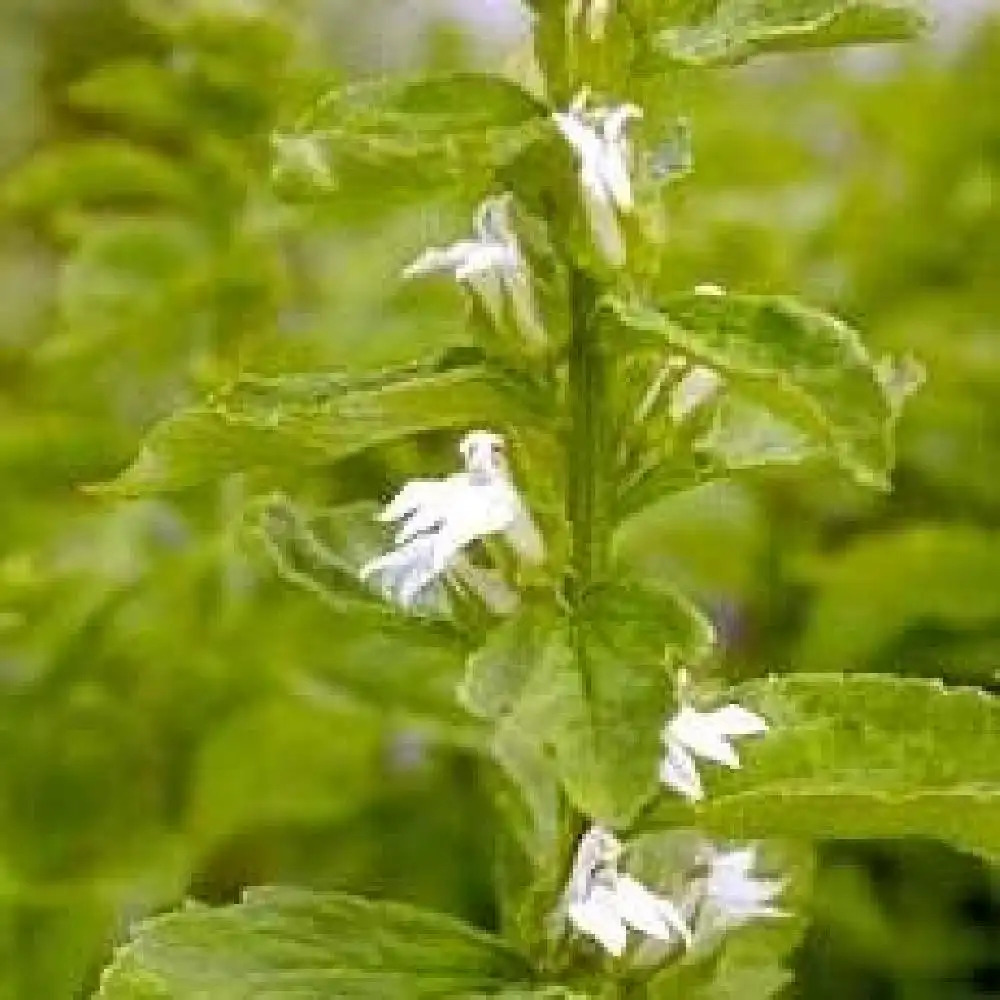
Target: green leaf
98	172
135	91
301	420
806	367
750	966
594	692
125	277
286	944
415	134
700	33
860	756
404	665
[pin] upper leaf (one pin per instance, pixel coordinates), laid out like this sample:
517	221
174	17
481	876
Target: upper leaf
136	91
713	32
301	945
645	42
93	174
421	134
594	692
862	756
805	366
259	423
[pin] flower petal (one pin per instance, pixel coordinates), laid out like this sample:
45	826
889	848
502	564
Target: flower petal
735	720
647	912
702	734
603	220
405	571
597	916
437	259
416	493
679	771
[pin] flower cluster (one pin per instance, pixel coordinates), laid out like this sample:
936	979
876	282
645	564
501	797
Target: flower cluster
602	903
439	519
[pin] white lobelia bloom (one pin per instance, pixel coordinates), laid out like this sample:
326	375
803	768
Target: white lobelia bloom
602	903
691	734
438	518
491	265
598	139
697	387
732	895
596	13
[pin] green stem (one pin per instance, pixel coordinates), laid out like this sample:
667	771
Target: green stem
586	500
586	388
586	504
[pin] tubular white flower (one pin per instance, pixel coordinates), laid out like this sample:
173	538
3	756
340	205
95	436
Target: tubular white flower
494	247
596	13
598	139
732	895
697	387
737	892
602	903
691	734
491	265
438	518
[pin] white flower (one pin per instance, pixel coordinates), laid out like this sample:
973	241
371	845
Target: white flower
598	139
736	891
494	247
596	11
438	518
602	903
697	387
691	734
491	265
732	895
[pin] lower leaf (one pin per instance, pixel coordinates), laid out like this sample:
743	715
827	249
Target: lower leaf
289	944
861	756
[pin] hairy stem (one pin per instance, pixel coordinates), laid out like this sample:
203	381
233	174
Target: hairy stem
586	502
587	488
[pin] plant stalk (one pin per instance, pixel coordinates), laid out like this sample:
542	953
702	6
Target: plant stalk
586	502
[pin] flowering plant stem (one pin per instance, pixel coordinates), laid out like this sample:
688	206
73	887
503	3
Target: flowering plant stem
586	506
585	494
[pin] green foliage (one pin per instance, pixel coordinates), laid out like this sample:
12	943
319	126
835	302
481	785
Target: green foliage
807	367
694	33
313	419
410	137
95	175
594	696
652	42
864	756
286	942
267	715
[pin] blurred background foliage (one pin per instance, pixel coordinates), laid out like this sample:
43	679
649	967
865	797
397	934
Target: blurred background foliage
177	719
